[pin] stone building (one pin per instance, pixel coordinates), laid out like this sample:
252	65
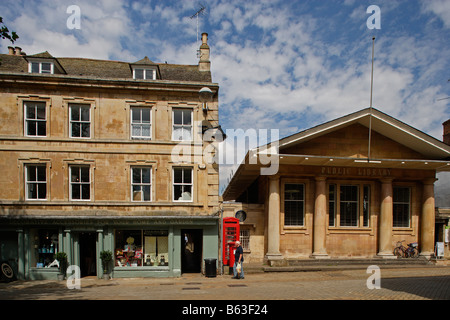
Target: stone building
107	155
341	190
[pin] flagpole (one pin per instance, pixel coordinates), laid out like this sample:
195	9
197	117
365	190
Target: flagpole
371	97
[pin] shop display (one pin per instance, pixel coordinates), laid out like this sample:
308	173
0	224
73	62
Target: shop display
137	248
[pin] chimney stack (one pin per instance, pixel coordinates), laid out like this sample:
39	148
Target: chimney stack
446	125
18	51
204	63
11	51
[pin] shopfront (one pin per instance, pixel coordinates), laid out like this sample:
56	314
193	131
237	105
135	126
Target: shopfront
141	247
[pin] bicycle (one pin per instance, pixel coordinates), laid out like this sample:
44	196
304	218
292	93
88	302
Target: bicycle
406	252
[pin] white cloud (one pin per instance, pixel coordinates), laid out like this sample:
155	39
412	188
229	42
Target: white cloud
440	8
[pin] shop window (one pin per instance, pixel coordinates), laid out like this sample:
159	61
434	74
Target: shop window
294	204
45	246
349	206
401	207
140	248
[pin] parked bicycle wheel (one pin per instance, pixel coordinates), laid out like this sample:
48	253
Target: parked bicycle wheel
414	253
6	272
398	252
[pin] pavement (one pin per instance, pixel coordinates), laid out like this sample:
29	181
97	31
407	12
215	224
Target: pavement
327	282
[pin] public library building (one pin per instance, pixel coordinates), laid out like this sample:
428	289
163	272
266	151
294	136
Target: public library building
328	199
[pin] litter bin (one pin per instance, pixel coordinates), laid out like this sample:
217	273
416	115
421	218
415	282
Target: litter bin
210	268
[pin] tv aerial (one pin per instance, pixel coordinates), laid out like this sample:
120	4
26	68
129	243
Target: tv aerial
201	12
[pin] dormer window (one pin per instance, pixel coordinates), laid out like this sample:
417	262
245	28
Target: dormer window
41	67
144	74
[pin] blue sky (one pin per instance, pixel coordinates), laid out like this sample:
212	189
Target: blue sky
280	64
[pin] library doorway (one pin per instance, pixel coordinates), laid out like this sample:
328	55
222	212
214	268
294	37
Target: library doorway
88	244
191	250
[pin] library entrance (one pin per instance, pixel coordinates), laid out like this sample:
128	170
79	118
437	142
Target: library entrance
191	250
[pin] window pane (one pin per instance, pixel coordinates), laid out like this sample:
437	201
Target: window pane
40	112
41	173
35	67
41	128
85	130
85	191
31	111
145	131
42	191
187	117
349	206
145	175
187	175
136	175
75	113
31	173
332	205
85	174
46	67
32	191
146	191
178	117
178	175
31	128
136	115
293	204
75	174
85	116
145	115
76	192
76	130
138	73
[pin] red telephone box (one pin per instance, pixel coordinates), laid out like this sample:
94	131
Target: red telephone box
231	233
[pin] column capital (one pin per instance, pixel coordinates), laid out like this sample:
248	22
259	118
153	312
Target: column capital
274	177
429	181
386	180
320	178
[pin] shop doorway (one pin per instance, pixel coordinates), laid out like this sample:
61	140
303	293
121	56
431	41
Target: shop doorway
191	250
88	246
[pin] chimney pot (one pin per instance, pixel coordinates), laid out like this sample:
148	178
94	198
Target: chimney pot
446	125
18	51
11	51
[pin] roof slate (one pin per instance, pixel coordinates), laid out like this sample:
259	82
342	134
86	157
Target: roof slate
105	69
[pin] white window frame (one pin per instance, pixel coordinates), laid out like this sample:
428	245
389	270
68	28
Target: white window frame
142	137
79	184
35	182
408	203
81	122
302	200
182	125
191	184
40	63
147	73
34	104
141	184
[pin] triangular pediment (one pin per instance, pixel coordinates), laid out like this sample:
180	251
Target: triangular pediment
414	143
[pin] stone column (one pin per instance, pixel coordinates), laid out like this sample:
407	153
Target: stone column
427	225
385	225
273	236
320	221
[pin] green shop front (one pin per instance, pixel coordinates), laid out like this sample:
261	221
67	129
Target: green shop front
140	246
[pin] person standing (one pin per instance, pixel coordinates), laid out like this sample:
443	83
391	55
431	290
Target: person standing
238	258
